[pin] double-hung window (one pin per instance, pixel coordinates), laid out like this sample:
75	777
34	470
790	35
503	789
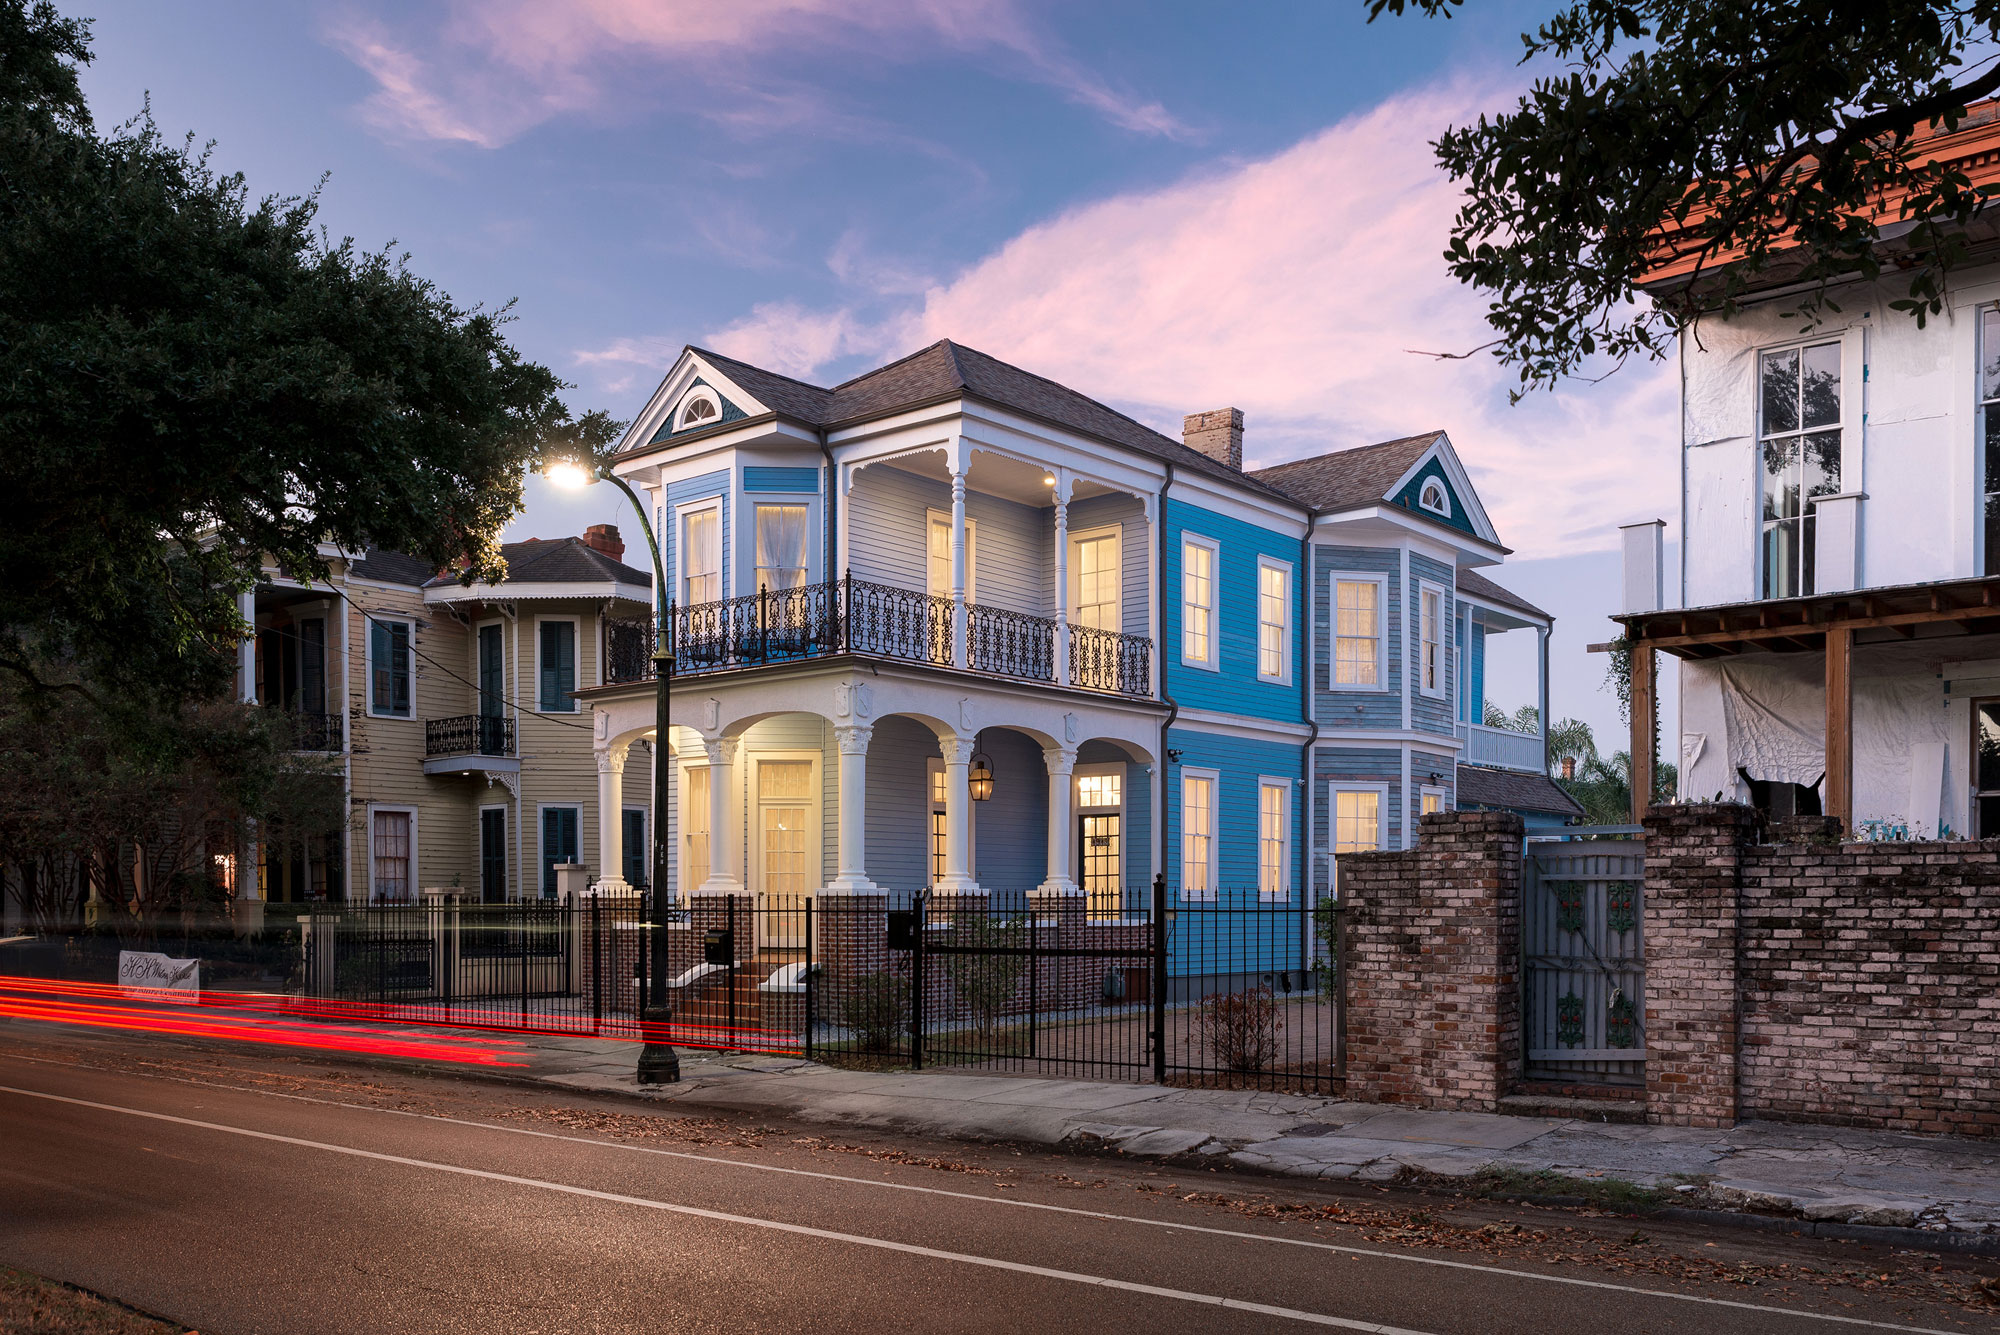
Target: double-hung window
1198	794
1430	640
557	664
1200	559
1357	820
1274	620
390	674
1273	812
1357	632
1989	435
1798	443
701	555
781	547
392	834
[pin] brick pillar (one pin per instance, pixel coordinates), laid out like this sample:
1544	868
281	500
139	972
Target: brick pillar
1694	862
1433	959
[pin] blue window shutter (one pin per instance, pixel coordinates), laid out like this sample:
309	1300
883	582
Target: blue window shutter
399	638
558	667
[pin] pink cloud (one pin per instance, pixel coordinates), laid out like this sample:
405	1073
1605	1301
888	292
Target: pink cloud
1294	288
496	69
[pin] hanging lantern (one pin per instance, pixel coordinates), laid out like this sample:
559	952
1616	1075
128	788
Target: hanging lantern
981	777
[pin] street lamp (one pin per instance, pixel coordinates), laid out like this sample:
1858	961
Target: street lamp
658	1063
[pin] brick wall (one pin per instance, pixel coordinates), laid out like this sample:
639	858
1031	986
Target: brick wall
1431	950
1694	859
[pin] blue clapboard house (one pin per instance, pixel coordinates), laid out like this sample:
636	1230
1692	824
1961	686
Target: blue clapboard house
953	626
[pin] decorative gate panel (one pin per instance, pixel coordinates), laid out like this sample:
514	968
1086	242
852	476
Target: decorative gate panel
1584	965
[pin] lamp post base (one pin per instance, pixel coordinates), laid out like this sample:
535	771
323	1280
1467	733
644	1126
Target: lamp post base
659	1064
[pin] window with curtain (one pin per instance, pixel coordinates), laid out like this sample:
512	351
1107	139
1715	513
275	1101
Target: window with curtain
390	676
935	818
781	546
937	557
694	828
1197	836
558	667
1274	620
1799	445
1198	603
1431	632
1272	800
1357	820
701	556
391	837
1357	633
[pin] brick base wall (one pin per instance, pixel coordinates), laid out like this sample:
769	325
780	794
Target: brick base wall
1432	957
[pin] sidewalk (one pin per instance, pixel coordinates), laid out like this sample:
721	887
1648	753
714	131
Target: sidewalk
1820	1174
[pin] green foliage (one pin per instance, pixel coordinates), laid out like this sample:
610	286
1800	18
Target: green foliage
1603	787
1570	739
1773	127
1525	719
876	1007
190	382
984	981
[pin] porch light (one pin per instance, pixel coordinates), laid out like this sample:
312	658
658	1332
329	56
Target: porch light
981	777
1049	479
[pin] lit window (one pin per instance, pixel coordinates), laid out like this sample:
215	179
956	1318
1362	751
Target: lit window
701	556
694	821
1357	635
781	547
1197	836
1198	602
1357	821
1431	802
1799	445
1097	790
1272	801
938	553
938	792
1274	620
391	838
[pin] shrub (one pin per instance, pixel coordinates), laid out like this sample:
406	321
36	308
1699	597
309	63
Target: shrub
876	1008
985	979
1241	1028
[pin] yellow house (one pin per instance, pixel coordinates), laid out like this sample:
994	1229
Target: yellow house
466	759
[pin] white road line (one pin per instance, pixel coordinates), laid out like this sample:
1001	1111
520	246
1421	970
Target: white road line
719	1161
749	1221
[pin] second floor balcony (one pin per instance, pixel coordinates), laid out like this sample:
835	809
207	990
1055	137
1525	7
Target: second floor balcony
852	616
470	744
1502	748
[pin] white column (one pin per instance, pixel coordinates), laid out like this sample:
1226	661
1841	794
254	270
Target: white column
1062	818
611	820
852	878
1062	582
725	824
958	619
246	653
957	878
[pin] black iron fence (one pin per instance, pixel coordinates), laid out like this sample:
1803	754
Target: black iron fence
318	731
1232	993
857	616
469	735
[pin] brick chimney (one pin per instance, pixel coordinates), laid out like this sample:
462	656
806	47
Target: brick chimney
604	538
1217	433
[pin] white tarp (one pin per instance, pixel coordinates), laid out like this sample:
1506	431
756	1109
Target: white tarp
149	971
1766	713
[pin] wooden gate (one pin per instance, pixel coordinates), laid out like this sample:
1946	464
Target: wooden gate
1583	1002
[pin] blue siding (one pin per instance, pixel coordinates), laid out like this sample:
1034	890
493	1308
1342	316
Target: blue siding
1358	765
898	807
1010	829
1235	688
680	493
1432	713
1338	709
1407	497
757	478
1240	762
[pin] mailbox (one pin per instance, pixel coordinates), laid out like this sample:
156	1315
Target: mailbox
902	929
719	946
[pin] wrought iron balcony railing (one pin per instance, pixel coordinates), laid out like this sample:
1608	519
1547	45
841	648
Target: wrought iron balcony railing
469	735
856	616
317	732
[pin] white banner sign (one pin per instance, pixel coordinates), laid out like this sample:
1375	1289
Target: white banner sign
153	972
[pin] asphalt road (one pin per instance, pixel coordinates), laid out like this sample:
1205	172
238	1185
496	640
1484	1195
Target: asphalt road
301	1206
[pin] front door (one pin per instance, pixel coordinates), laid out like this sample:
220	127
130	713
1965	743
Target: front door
493	855
1100	855
787	848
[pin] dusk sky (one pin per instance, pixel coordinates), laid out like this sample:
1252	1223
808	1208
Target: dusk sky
1170	208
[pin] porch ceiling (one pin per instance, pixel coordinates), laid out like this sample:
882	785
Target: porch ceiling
999	475
1800	625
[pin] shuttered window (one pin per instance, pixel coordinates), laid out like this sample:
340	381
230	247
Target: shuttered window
558	667
559	843
390	686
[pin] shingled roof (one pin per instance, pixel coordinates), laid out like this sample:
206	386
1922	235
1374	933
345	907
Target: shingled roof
947	370
379	563
559	561
1513	790
1476	585
1347	479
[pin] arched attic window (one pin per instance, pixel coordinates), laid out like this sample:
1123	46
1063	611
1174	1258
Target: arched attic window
1435	498
697	409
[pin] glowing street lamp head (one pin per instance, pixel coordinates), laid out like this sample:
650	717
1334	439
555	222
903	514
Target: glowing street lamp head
568	473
